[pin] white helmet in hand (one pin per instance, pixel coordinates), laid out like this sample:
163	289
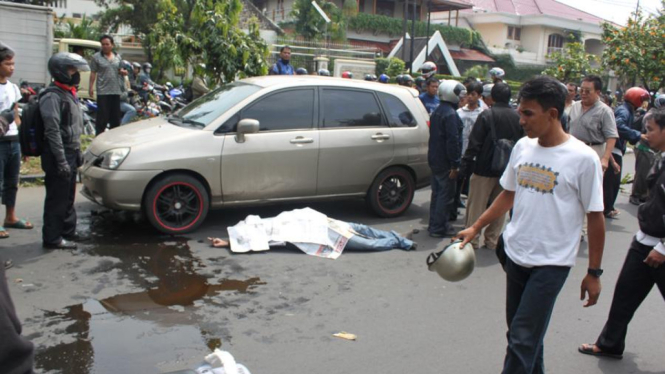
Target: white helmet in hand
453	263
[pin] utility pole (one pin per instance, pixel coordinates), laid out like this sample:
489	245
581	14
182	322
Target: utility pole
637	9
413	35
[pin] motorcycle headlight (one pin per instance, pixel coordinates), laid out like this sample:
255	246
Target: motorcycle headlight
112	158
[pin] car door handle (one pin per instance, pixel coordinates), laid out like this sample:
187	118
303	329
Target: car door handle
301	140
380	136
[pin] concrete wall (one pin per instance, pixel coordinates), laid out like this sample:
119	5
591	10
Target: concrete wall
87	7
532	40
494	34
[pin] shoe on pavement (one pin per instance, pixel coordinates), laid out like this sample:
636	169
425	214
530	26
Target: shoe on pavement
64	244
8	264
449	233
634	200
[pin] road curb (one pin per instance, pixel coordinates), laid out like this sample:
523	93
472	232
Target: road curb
30	178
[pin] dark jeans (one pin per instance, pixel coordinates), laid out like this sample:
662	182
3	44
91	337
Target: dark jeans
634	284
10	164
108	112
611	184
441	203
59	213
643	163
530	297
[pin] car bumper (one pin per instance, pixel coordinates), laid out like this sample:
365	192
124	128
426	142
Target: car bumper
116	189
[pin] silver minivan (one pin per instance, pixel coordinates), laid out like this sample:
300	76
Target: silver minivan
264	140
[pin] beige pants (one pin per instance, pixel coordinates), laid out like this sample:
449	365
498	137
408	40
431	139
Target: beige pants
482	192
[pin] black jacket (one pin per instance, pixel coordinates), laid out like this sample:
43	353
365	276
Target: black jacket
478	155
445	138
651	214
62	129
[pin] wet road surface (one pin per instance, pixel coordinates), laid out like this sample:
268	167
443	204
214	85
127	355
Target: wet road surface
131	300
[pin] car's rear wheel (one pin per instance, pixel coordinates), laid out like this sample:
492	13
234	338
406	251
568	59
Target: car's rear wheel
177	204
391	192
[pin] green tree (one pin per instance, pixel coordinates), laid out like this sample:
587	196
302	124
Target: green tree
477	71
312	26
636	51
85	29
572	63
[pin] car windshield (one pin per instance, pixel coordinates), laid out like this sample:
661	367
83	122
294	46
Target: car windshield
202	111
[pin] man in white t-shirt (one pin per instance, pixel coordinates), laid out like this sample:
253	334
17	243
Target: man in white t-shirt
551	182
10	150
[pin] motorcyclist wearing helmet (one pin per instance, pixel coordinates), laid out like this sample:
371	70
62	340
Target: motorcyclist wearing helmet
497	74
428	69
420	84
61	155
383	78
324	72
624	116
107	72
430	98
370	77
407	80
347	75
444	155
399	79
301	71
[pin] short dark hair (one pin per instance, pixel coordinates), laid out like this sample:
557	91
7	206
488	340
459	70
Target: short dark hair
597	82
474	86
6	52
105	36
501	93
431	80
284	47
657	115
573	84
546	91
468	80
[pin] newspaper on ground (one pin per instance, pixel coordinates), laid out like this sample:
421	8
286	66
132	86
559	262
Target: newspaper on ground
311	231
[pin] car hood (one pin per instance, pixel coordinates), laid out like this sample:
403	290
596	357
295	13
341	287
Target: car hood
154	129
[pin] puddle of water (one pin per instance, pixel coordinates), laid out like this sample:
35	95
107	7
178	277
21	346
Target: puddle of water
117	334
133	333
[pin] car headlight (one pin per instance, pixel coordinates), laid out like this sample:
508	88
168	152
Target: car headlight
112	158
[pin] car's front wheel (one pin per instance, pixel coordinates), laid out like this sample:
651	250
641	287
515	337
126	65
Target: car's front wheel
391	193
177	204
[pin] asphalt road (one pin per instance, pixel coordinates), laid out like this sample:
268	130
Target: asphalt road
133	301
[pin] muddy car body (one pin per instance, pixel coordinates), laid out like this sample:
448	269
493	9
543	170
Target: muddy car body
265	140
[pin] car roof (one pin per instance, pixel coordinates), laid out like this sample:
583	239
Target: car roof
285	81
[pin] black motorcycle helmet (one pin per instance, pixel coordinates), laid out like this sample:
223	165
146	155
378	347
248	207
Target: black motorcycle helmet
301	71
399	79
147	67
60	63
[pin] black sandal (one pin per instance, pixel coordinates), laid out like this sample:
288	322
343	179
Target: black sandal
588	350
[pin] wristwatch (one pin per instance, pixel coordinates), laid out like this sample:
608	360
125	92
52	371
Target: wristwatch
595	272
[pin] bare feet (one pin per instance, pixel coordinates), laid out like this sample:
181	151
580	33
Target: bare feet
218	243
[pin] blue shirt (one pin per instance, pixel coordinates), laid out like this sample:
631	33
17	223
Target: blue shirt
430	102
281	67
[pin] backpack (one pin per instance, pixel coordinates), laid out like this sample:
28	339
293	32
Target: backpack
31	131
502	150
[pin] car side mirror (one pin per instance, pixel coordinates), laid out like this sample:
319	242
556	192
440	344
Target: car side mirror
246	126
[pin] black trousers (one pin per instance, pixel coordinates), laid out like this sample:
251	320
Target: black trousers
634	284
611	184
59	213
108	112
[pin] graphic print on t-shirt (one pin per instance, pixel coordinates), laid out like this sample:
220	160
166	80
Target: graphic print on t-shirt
537	177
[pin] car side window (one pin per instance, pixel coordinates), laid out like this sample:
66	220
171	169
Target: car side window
349	108
398	114
286	110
